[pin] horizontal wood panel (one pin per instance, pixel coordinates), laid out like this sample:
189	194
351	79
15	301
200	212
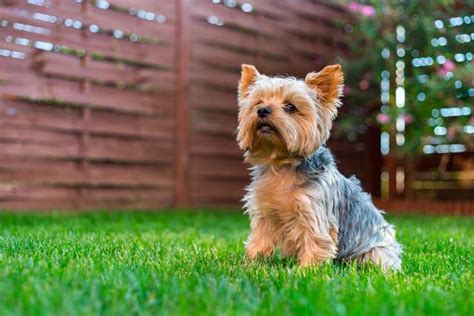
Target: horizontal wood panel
47	198
34	87
214	146
123	150
44	117
209	192
224	169
61	65
62	173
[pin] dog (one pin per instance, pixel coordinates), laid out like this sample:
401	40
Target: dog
297	200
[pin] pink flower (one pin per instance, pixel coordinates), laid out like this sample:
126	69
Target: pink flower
448	66
347	90
452	131
368	10
383	118
408	118
365	10
363	84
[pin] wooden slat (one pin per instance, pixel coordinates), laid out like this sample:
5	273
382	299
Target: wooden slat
224	169
54	64
43	117
216	191
38	198
63	173
210	99
33	86
214	123
124	150
214	146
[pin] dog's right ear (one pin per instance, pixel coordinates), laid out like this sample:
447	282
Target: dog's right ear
248	77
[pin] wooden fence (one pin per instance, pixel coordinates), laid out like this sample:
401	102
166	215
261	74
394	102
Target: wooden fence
132	104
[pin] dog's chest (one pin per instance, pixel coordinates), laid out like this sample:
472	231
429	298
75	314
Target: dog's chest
279	193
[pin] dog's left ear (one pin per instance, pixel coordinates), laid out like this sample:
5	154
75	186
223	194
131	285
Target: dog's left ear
327	84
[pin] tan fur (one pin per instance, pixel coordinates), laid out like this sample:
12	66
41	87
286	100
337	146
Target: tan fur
283	211
279	207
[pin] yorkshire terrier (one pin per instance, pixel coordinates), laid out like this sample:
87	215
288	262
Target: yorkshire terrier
298	201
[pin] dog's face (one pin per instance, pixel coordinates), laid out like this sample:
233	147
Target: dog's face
284	119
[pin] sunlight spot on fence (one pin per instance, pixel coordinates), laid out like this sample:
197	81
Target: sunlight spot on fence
214	20
118	34
102	4
93	28
12	54
230	3
22	41
246	7
40	3
30	28
44	17
43	45
147	15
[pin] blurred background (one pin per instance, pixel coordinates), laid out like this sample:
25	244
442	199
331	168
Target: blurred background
132	104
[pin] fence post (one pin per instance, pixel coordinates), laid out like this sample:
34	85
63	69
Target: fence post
182	55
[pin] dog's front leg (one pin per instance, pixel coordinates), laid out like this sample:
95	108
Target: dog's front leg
261	239
310	233
313	248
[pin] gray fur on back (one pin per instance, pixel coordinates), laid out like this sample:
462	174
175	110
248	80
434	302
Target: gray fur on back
361	226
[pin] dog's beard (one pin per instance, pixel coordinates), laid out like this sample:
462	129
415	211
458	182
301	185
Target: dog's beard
269	140
265	140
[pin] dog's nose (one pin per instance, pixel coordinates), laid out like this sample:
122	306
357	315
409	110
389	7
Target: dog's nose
262	112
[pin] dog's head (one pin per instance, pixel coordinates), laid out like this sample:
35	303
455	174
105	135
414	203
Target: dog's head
285	119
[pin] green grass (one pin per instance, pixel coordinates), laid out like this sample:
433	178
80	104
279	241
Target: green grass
192	263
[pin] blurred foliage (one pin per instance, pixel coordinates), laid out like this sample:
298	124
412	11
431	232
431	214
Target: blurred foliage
373	30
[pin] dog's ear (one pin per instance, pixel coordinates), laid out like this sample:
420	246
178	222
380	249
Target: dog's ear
248	77
327	84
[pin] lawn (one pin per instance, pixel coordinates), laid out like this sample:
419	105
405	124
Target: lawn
192	263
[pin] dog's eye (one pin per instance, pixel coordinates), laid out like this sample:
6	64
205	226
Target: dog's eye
290	108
